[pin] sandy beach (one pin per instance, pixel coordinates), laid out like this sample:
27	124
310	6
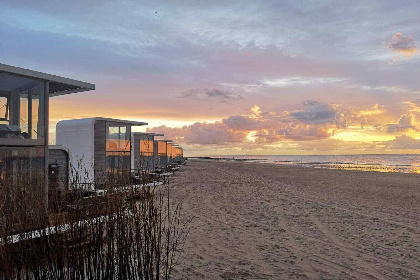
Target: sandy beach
267	221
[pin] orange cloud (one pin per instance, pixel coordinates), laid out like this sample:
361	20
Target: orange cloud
401	44
414	105
375	110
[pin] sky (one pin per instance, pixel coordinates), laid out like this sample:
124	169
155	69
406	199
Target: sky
233	77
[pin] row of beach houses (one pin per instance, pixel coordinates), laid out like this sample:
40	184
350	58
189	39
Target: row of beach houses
90	149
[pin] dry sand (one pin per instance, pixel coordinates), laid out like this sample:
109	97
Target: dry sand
266	221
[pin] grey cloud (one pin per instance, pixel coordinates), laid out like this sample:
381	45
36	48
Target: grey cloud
201	134
404	123
315	112
215	94
402	44
173	133
209	134
243	123
404	142
302	132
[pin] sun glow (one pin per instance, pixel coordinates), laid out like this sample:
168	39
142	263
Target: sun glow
251	136
367	134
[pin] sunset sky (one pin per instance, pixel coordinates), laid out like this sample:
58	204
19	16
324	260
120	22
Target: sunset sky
233	77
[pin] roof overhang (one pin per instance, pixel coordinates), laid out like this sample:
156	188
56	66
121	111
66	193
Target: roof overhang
57	85
148	133
132	123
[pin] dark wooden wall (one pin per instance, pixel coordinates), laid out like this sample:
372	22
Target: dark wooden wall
99	165
136	151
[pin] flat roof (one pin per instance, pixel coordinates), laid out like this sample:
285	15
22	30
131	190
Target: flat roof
133	123
149	133
93	120
58	85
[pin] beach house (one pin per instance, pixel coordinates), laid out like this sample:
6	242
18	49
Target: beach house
101	149
163	153
24	118
178	154
143	150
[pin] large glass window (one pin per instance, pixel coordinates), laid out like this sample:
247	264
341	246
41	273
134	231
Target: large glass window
169	150
146	146
118	147
162	148
177	152
21	110
21	164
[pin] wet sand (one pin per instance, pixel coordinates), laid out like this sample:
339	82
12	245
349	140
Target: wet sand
267	221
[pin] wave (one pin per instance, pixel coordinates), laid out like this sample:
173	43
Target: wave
378	163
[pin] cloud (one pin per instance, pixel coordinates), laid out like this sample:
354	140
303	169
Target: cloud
202	134
317	121
401	44
315	112
243	123
309	129
404	123
404	142
302	81
209	134
208	94
416	102
175	134
414	105
305	132
375	110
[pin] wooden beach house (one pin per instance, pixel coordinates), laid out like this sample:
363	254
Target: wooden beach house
169	152
143	151
100	147
24	118
163	152
178	154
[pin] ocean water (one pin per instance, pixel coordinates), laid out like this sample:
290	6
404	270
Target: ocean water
378	163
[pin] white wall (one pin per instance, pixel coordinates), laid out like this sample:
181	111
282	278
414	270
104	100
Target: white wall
78	136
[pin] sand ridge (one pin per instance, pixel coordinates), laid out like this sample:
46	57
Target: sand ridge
267	221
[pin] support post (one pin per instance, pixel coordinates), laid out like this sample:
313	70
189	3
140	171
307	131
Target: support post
46	124
30	129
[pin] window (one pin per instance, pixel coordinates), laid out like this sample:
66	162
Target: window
118	147
22	128
162	148
21	164
146	146
169	149
21	109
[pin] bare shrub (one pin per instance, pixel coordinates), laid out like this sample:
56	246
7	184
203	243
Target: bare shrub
126	233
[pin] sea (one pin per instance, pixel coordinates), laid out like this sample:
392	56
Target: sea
409	163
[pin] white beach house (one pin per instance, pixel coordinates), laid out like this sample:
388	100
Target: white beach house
100	147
